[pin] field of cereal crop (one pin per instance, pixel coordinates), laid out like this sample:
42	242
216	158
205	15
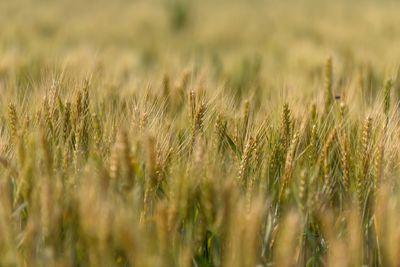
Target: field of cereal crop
199	133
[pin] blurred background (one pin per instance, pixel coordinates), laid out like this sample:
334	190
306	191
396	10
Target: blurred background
282	43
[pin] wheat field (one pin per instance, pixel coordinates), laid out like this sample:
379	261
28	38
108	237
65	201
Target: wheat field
199	133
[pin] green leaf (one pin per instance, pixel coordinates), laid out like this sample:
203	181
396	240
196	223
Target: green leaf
232	145
60	105
201	261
